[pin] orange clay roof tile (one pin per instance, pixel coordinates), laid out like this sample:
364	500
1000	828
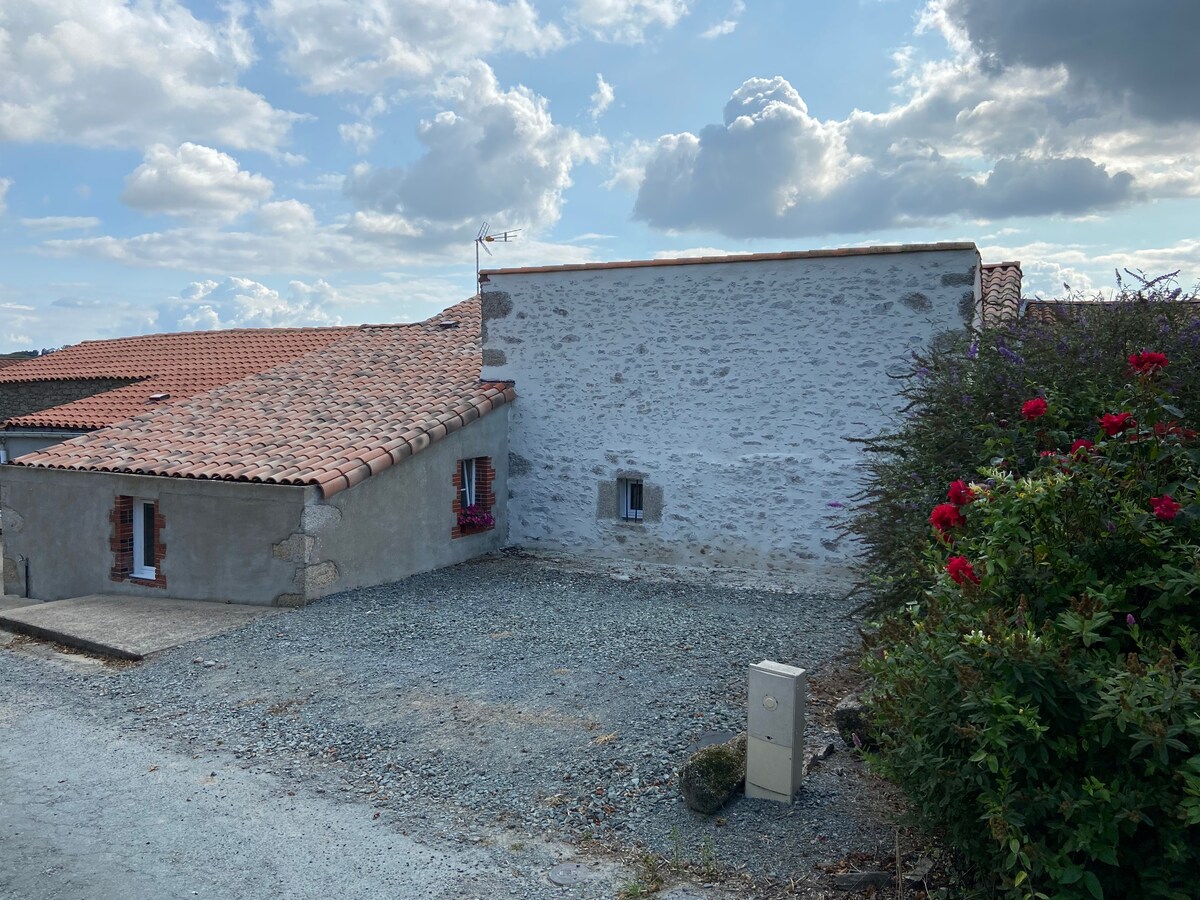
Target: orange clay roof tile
1000	302
181	365
349	408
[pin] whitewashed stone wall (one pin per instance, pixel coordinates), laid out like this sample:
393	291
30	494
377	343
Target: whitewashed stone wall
729	387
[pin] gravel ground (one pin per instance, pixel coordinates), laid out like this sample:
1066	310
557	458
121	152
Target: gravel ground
537	699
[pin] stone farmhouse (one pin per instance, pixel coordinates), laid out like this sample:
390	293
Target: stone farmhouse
686	411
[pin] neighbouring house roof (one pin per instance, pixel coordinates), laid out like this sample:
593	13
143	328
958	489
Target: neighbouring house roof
364	401
734	258
1000	297
180	365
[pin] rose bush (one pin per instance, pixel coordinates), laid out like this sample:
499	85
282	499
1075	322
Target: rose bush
1039	699
964	405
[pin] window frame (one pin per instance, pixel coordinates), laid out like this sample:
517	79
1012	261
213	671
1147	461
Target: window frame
140	569
469	475
629	511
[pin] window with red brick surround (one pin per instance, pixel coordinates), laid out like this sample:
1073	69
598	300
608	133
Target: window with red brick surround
485	497
122	541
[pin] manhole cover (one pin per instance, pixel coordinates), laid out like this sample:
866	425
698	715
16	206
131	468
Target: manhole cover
567	874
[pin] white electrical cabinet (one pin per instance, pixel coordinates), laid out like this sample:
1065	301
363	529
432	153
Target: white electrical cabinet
775	731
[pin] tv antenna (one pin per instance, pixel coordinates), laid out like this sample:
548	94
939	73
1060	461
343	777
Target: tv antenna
483	239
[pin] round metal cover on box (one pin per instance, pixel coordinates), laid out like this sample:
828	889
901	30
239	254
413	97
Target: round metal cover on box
568	874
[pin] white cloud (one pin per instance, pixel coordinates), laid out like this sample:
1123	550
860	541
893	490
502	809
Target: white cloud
363	45
287	217
693	252
61	223
241	303
496	155
974	137
5	184
727	25
194	182
359	135
602	99
626	21
367	242
111	73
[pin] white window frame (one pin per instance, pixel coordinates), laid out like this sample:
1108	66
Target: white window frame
468	483
140	569
629	512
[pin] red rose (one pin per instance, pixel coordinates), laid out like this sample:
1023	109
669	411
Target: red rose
945	516
1114	424
1033	409
1148	362
1165	507
960	493
961	571
1080	449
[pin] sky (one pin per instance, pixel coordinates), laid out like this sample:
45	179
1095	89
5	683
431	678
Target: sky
173	165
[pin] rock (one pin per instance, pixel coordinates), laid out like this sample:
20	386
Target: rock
852	718
919	872
861	881
710	778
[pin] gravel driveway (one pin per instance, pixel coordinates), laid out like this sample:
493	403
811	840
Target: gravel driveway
531	698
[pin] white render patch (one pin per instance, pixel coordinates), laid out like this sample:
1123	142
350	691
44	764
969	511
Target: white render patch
729	388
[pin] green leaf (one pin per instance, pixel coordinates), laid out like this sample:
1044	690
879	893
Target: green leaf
1093	885
1071	875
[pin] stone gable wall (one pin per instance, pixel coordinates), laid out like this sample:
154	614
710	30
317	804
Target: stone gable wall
730	389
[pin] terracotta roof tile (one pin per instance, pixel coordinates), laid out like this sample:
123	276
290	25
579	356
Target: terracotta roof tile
1000	302
733	258
332	417
181	365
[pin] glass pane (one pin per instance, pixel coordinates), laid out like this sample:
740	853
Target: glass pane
148	535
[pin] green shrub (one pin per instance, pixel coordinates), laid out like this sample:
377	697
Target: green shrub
1040	701
968	388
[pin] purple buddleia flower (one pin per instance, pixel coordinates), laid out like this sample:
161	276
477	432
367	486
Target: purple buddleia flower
973	350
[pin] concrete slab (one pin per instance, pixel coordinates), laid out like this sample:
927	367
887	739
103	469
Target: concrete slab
9	601
129	627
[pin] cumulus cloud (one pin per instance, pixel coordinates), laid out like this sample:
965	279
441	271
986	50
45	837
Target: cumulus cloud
1140	53
496	155
111	73
363	45
241	303
602	99
627	21
194	182
998	129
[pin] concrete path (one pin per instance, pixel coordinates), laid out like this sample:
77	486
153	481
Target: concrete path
8	601
89	813
128	627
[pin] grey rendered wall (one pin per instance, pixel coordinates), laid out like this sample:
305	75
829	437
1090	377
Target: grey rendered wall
219	535
398	523
29	441
729	387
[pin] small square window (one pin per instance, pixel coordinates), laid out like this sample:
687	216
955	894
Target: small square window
632	507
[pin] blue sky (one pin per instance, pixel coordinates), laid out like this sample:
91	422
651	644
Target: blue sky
175	165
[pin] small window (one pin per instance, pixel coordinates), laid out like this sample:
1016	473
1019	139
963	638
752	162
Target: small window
468	483
631	499
145	539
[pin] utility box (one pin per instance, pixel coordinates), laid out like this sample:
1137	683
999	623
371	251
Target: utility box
775	738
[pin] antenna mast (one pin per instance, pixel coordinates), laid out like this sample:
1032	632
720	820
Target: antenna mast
482	240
